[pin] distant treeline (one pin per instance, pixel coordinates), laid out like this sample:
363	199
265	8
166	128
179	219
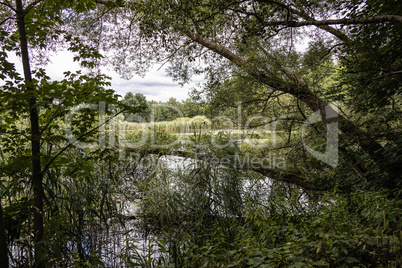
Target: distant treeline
161	111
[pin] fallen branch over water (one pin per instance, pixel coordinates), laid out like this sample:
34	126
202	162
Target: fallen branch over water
275	174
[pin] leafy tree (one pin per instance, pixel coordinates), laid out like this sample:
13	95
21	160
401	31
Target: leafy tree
33	107
166	111
192	108
172	109
139	101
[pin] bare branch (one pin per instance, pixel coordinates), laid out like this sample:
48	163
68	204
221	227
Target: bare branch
281	175
50	120
387	74
301	92
30	6
339	34
8	4
114	3
15	133
291	178
5	20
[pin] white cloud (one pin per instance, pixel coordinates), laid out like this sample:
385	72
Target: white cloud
155	85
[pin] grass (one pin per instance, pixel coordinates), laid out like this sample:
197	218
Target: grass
179	125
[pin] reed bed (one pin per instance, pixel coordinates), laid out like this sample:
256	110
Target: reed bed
179	125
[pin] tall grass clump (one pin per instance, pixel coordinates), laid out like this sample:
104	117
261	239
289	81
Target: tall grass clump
178	125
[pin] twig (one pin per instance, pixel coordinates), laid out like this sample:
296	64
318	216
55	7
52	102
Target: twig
80	137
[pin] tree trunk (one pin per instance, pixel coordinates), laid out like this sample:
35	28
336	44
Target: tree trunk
3	242
367	143
35	136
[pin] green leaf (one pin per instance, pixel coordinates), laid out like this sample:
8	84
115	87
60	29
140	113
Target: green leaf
321	263
352	260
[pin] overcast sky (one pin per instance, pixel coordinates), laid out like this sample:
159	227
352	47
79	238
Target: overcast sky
156	85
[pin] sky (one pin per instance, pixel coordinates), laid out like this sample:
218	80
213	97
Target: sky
156	85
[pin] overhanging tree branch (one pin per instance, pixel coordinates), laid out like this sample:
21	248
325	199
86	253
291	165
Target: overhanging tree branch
5	20
117	3
277	175
50	120
31	5
291	178
345	21
301	13
300	91
9	5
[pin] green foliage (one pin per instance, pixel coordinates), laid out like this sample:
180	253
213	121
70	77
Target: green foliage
328	233
211	213
139	101
15	217
82	201
75	194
